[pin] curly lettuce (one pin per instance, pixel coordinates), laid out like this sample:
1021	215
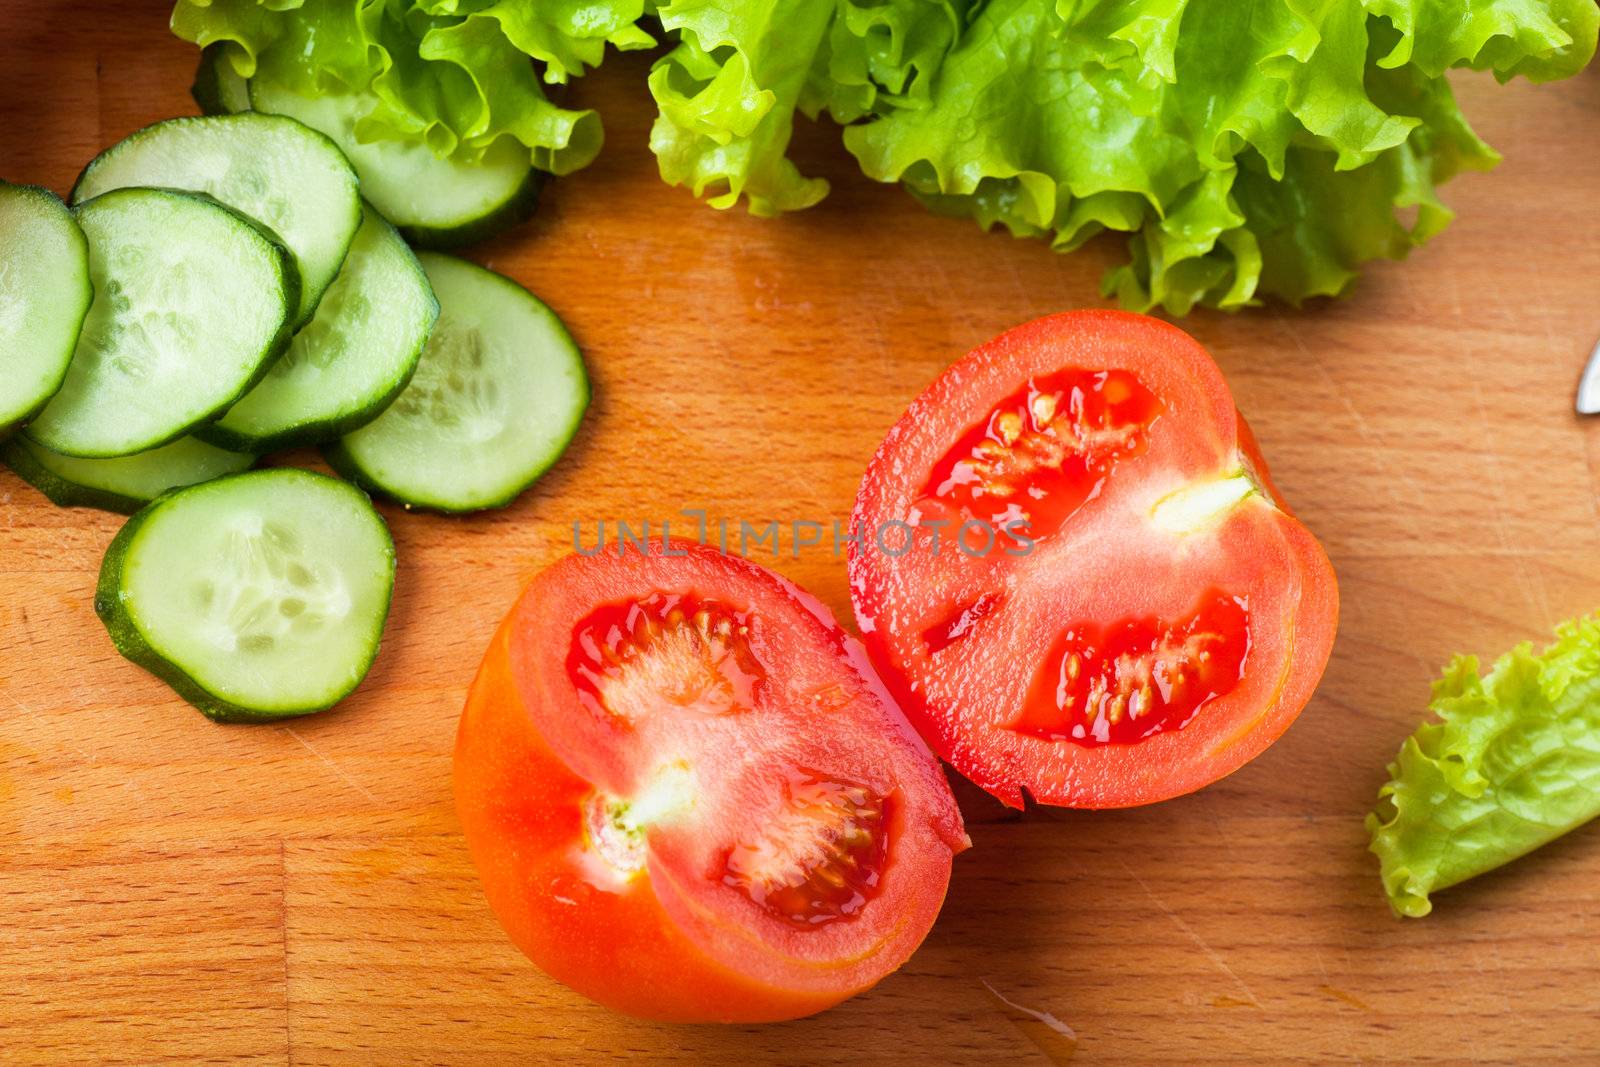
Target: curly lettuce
730	91
1512	763
454	75
1265	147
1248	149
728	95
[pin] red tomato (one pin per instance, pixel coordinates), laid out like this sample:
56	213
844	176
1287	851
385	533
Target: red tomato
1118	606
689	797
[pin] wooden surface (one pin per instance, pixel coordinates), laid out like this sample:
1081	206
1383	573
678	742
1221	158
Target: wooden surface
172	890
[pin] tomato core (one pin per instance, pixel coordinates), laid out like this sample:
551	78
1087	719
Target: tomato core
629	657
1138	677
820	859
1045	449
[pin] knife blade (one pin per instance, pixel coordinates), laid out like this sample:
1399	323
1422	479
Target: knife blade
1589	385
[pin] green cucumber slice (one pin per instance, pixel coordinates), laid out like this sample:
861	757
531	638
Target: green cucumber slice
218	88
191	301
350	361
286	176
44	296
436	203
125	484
258	596
497	396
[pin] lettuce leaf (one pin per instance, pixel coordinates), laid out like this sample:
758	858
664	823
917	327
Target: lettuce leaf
1258	147
729	92
1249	149
1513	762
452	74
728	95
882	56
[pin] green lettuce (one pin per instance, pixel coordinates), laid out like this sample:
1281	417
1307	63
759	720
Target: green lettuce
728	95
1254	147
454	75
1512	763
1248	149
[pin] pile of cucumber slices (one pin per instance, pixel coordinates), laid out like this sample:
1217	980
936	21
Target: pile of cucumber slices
219	290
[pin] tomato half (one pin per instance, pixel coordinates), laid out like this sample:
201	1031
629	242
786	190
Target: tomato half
1076	574
689	797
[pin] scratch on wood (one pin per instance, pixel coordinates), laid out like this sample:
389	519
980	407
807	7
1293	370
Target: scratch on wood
1349	998
1405	511
1212	954
332	766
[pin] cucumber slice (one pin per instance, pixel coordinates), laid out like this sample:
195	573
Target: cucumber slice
495	400
284	175
349	362
256	597
125	484
191	301
436	203
218	88
44	296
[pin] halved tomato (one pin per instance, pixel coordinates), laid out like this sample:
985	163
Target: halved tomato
1076	575
689	797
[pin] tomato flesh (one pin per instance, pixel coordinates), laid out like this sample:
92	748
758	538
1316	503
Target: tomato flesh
823	860
689	797
963	621
1044	450
1164	618
1122	683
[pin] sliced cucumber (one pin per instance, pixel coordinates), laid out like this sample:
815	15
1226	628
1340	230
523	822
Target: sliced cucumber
218	88
258	596
44	296
347	364
125	484
436	203
286	176
498	394
191	301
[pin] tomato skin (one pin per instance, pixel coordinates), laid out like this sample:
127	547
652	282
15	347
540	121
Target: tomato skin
1199	436
520	805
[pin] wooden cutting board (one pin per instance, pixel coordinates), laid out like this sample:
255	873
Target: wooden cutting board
173	890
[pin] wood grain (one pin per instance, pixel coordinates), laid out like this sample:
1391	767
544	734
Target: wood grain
178	891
